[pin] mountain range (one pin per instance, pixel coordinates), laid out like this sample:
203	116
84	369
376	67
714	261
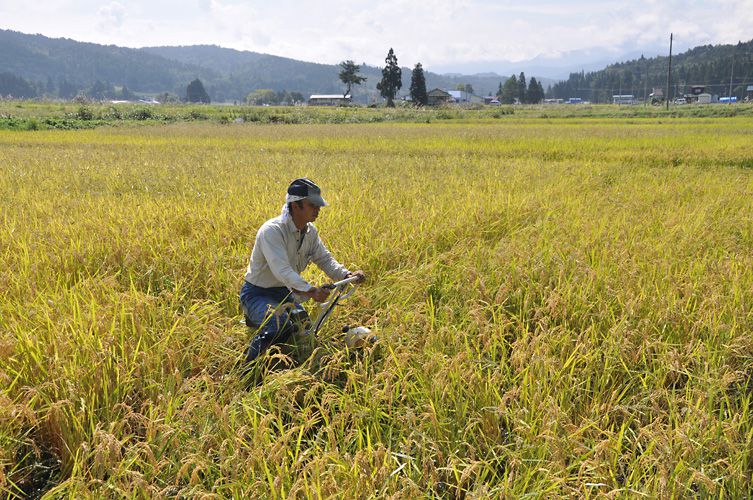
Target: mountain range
63	67
39	66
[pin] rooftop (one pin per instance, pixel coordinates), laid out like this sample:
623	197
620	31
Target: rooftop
329	96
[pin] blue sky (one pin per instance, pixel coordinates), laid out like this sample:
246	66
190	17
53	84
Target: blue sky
444	35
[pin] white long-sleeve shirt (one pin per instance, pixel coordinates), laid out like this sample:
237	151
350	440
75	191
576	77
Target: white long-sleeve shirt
279	256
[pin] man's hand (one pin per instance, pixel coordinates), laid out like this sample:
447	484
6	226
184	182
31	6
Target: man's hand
319	294
361	276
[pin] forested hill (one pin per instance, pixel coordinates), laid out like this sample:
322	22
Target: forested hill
38	66
244	71
62	67
709	65
251	71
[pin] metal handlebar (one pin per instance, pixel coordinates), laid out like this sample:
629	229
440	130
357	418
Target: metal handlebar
332	286
327	307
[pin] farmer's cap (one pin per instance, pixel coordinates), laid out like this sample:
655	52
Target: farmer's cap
305	188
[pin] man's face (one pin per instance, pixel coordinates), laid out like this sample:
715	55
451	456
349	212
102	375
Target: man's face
309	211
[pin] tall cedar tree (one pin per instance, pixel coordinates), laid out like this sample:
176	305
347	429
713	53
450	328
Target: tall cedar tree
509	91
196	93
522	88
418	86
349	75
535	92
392	79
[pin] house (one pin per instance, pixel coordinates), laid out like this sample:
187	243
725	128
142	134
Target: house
329	100
657	95
437	97
463	97
623	99
749	93
704	98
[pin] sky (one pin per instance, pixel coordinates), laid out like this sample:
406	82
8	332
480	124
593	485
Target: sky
444	35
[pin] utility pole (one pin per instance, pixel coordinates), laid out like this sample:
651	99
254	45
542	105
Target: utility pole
731	71
669	70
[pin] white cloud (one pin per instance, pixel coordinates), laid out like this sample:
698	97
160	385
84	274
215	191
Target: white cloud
111	16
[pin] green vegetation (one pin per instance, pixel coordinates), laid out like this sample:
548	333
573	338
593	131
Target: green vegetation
42	116
707	65
195	92
349	75
564	307
392	79
418	92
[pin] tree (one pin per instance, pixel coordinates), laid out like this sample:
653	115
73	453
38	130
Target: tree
67	90
418	86
126	94
166	97
535	92
509	91
296	97
260	97
101	90
392	79
522	88
50	87
195	92
349	75
16	86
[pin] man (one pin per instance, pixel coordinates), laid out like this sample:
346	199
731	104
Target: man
283	248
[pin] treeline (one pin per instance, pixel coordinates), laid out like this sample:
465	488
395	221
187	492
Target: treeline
15	87
708	65
515	90
263	97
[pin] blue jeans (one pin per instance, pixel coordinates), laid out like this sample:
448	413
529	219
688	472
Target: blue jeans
259	305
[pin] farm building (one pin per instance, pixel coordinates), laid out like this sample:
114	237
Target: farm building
623	99
461	96
437	97
704	98
329	100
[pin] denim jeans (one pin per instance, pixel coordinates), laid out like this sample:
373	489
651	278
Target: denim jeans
259	304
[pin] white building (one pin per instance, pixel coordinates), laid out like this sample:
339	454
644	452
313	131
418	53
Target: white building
704	98
623	99
329	100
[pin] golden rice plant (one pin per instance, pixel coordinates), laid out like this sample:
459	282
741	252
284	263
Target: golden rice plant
563	307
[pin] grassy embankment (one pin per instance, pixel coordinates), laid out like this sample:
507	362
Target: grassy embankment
564	308
32	115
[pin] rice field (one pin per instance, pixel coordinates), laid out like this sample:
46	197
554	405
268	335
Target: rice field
564	308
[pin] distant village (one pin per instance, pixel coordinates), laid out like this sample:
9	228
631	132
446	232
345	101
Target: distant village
695	94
